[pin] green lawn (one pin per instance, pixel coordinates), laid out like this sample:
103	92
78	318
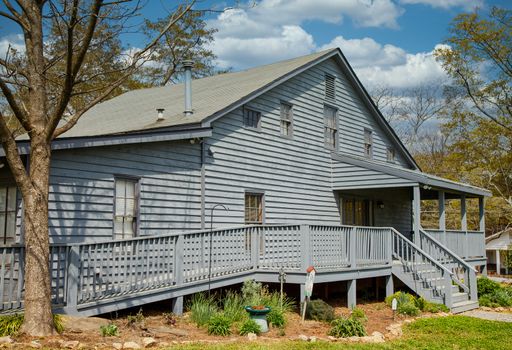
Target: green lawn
454	332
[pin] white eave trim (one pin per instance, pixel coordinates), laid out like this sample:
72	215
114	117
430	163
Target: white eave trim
112	140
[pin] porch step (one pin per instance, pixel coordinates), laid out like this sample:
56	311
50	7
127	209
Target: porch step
462	306
459	297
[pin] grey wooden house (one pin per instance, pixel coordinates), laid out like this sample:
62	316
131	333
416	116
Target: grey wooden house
309	170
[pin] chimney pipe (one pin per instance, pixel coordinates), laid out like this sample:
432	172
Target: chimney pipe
187	65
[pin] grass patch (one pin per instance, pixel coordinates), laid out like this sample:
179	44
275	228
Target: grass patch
10	324
453	332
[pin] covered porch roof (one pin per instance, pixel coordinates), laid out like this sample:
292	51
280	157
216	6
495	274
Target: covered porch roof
499	241
373	174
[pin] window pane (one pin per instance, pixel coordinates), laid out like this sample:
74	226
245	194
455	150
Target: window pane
253	208
3	198
125	216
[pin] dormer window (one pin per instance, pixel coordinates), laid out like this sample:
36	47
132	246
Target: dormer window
330	87
368	143
391	155
252	118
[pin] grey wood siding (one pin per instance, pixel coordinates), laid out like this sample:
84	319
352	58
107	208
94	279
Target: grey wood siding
82	189
347	176
294	174
354	117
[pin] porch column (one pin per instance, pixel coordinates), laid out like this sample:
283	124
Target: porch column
498	262
442	215
416	212
177	305
389	286
464	224
351	294
481	212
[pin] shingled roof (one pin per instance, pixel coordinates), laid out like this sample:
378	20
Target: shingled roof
136	110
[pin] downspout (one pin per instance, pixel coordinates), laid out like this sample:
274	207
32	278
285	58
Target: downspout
203	184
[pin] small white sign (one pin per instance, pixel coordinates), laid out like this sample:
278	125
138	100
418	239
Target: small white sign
310	280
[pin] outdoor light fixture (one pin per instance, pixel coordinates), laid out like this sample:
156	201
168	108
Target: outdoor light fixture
160	114
380	204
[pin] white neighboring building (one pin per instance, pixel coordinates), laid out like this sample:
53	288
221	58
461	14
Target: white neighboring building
494	245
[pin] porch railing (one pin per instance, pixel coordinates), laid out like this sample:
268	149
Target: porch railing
463	274
466	244
96	272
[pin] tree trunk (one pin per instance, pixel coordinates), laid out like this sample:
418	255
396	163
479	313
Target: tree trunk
38	319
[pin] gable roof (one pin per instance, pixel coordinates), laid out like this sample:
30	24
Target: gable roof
134	112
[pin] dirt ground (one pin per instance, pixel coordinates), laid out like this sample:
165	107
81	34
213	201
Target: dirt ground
154	325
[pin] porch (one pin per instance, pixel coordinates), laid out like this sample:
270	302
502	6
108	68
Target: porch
96	278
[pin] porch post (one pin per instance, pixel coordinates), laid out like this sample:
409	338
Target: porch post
416	212
389	285
177	305
481	212
442	215
498	262
464	224
351	294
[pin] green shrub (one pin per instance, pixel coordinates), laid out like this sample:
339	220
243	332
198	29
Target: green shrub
233	307
219	325
358	314
347	327
276	318
251	292
202	307
109	330
485	300
10	324
420	303
250	326
486	286
319	310
273	299
408	309
501	297
435	308
401	298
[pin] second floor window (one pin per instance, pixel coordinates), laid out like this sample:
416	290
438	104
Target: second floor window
368	143
286	119
391	155
330	127
8	199
126	205
252	118
253	208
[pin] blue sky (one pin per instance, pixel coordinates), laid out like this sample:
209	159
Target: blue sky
388	42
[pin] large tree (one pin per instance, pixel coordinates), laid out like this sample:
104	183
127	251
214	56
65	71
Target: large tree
478	57
45	102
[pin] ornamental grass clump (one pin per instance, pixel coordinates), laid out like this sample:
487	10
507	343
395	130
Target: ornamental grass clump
202	307
219	324
250	326
347	327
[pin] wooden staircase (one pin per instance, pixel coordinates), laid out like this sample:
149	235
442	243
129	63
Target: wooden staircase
435	279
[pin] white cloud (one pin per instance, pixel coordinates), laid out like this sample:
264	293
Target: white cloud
272	30
389	65
465	4
14	41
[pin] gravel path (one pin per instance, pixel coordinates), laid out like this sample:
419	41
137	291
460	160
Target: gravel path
488	315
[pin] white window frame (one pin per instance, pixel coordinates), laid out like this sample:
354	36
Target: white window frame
262	196
121	215
368	143
286	119
245	119
331	129
391	155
